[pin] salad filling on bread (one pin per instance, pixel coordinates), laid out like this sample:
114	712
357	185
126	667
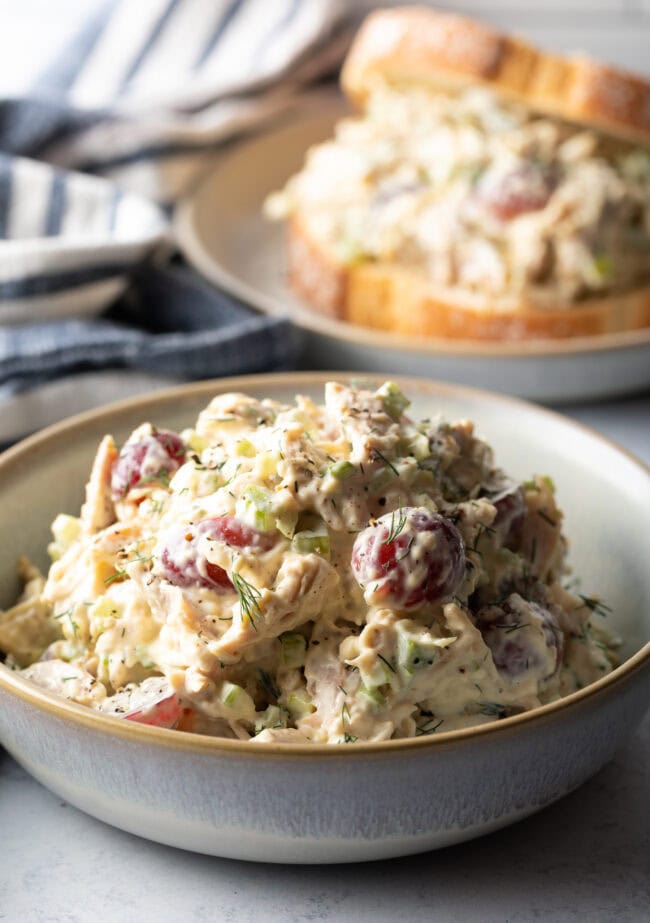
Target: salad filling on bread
308	573
478	193
488	190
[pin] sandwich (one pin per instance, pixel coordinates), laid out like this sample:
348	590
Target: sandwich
485	190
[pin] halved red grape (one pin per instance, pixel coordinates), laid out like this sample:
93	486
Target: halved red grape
409	558
526	188
183	564
523	637
152	702
151	458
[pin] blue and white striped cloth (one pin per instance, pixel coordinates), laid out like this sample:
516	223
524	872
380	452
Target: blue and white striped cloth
96	145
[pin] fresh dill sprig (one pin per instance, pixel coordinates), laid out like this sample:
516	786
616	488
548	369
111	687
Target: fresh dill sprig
406	551
388	663
118	575
345	716
160	477
396	524
493	709
268	685
508	629
249	597
600	608
388	464
480	532
429	727
138	556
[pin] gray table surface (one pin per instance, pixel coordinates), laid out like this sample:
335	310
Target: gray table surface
585	858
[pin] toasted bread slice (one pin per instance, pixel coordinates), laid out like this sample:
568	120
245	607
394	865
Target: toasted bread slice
431	48
390	297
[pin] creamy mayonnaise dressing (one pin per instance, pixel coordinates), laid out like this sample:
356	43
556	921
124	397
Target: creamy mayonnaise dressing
478	192
332	573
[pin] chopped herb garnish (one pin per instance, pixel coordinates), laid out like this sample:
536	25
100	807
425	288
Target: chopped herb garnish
480	532
388	464
345	716
388	663
160	477
249	597
600	608
144	559
493	709
429	727
268	685
397	524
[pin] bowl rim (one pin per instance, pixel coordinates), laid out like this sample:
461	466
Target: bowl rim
192	243
14	684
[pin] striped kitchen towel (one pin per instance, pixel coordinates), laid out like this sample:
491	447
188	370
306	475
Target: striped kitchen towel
98	140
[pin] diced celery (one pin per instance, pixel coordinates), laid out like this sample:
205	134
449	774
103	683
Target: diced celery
195	481
394	400
373	694
533	483
419	447
299	704
143	656
309	542
286	521
194	441
102	615
413	655
342	470
272	717
294	646
246	448
256	508
603	266
237	701
266	464
66	531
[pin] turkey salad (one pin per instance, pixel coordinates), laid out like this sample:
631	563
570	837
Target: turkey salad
307	573
478	192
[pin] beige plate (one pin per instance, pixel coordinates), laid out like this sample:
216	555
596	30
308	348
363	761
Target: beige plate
288	803
222	233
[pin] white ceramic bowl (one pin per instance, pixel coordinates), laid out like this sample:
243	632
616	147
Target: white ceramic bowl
340	804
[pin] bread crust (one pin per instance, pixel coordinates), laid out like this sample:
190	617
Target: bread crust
432	48
389	297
